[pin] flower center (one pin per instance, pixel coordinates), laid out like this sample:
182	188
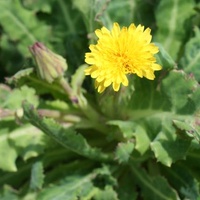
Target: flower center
123	63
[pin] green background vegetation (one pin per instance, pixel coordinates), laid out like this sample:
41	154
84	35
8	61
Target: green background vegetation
140	143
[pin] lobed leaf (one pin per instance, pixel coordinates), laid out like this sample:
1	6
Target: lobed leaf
164	59
191	58
42	6
178	87
124	151
169	147
171	18
66	137
153	187
25	141
20	74
71	188
107	193
153	109
25	29
8	152
181	178
17	96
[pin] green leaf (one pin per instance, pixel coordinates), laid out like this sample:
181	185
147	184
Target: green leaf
142	139
66	137
191	58
127	188
78	78
195	96
76	83
178	86
83	6
17	96
180	178
154	106
37	176
4	92
8	152
25	141
171	17
70	188
107	193
25	29
106	13
44	6
167	146
66	191
189	128
28	141
126	127
164	59
124	151
153	187
8	193
20	74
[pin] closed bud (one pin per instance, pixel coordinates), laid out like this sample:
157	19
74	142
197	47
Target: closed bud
50	66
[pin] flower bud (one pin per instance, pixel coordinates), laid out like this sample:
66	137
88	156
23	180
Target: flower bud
50	66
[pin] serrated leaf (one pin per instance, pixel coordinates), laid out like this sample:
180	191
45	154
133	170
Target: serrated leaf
169	147
124	151
83	6
66	137
182	125
20	74
164	59
106	12
155	110
127	127
25	141
107	193
37	176
25	29
142	139
180	178
8	193
171	17
8	152
44	6
189	129
70	188
17	96
191	58
4	92
153	187
28	141
178	86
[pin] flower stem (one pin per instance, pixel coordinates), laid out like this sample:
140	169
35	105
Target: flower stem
65	85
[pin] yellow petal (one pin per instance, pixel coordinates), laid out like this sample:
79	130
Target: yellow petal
156	67
116	30
125	80
107	82
120	52
116	86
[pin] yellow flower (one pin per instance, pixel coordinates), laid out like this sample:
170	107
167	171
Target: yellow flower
120	52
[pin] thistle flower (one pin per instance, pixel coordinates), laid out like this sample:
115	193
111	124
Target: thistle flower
50	66
120	52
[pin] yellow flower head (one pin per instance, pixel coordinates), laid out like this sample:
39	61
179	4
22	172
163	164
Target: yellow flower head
120	52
